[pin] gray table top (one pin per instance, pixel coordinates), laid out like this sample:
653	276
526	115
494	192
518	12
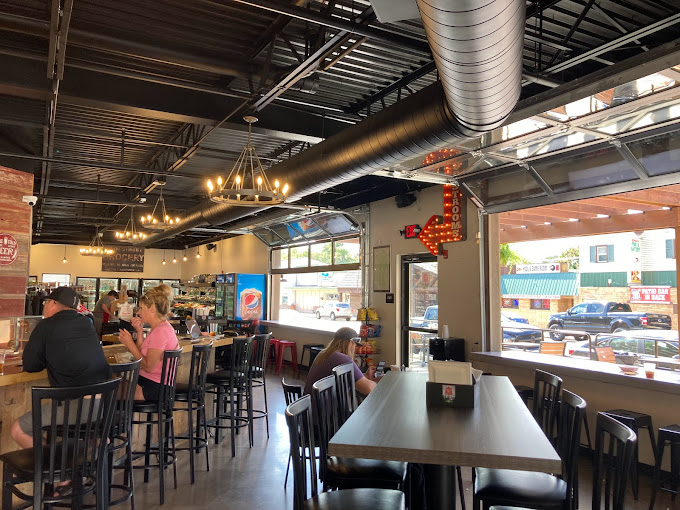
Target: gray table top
394	423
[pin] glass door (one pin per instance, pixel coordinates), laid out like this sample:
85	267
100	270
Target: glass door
149	284
107	284
131	284
419	309
89	291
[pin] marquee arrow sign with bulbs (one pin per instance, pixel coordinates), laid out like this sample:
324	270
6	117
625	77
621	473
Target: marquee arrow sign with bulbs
452	226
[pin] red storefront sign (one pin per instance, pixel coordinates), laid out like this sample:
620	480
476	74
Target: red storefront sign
9	249
650	294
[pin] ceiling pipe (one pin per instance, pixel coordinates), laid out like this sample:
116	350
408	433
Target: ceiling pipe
438	115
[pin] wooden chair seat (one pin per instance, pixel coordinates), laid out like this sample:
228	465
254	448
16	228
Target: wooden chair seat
554	348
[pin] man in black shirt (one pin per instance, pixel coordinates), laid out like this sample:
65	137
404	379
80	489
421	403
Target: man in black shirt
66	344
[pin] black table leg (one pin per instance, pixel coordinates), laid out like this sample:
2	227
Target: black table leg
440	487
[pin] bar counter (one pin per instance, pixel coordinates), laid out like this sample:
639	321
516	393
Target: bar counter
15	386
602	385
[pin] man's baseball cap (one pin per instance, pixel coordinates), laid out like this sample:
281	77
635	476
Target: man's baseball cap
66	296
348	334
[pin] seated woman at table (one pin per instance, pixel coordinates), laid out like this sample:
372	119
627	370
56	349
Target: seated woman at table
153	310
339	352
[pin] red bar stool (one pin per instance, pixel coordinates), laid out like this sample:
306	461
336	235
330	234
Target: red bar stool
273	350
280	348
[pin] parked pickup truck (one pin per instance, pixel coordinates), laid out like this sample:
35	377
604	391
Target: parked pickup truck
605	317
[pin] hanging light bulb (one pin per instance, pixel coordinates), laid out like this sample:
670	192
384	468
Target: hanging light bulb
163	258
184	257
174	258
63	261
198	253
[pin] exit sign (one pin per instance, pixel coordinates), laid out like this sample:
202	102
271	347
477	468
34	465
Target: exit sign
410	231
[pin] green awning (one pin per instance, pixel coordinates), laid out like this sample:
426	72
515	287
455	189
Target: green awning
548	285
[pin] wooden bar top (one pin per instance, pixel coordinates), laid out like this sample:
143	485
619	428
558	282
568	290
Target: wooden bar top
13	373
394	423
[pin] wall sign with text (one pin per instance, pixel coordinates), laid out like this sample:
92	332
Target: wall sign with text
129	259
650	294
410	231
9	249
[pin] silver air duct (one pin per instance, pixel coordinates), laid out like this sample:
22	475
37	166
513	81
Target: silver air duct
424	121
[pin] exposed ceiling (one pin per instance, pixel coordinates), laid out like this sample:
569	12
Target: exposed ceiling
101	99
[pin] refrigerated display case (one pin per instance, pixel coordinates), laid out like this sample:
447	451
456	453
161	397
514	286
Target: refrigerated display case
106	285
131	284
149	284
89	292
15	331
194	295
240	296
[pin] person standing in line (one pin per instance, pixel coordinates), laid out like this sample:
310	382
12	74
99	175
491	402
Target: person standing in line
101	308
66	344
153	310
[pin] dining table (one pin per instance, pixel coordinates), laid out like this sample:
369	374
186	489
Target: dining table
395	423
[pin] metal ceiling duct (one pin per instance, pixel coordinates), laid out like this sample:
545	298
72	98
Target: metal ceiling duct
487	48
477	48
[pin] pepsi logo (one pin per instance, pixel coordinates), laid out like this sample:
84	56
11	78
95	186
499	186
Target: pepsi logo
251	301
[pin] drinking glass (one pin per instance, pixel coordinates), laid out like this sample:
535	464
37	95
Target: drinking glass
649	370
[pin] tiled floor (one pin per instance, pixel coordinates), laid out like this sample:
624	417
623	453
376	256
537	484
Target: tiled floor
254	478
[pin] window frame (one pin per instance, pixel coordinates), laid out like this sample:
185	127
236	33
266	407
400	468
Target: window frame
68	275
597	254
309	268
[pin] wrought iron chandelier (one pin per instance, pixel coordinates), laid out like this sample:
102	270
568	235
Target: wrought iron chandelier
130	234
151	222
247	183
96	247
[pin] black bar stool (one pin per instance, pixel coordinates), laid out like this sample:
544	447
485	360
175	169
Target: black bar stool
159	413
635	421
193	395
669	434
234	386
121	430
258	368
307	348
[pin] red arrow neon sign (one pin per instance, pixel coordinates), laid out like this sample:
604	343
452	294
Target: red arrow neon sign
450	227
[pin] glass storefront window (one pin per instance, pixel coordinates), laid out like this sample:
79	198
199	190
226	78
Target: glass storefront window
299	256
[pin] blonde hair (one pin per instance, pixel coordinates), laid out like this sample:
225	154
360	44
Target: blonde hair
167	291
159	298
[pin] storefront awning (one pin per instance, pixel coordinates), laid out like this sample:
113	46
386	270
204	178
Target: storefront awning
539	285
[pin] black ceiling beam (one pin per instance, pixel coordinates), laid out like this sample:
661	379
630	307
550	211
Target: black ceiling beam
418	73
339	24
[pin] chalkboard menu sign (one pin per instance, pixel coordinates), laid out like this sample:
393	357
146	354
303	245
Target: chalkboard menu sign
129	259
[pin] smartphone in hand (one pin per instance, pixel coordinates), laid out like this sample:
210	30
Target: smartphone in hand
380	370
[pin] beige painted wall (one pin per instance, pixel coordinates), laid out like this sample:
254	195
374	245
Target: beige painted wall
243	254
46	258
459	283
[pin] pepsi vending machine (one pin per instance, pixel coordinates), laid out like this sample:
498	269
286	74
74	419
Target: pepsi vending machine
240	296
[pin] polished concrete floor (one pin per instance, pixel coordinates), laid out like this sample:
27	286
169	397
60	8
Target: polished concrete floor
254	478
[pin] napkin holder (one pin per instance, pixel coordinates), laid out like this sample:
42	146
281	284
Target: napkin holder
452	395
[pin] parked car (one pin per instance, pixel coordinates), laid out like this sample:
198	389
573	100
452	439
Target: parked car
334	310
509	315
605	317
633	342
514	332
429	320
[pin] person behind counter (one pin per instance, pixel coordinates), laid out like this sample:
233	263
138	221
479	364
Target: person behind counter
65	343
339	352
102	310
153	310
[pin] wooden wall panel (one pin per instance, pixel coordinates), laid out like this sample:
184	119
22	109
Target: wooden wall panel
15	219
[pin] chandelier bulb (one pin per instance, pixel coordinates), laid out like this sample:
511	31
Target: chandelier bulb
127	234
259	181
143	219
276	184
176	220
219	181
237	180
148	217
184	259
167	217
154	221
210	185
285	189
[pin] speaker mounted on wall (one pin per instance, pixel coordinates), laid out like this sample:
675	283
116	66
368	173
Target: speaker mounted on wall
404	200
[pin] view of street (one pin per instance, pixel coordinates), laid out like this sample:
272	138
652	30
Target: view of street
309	320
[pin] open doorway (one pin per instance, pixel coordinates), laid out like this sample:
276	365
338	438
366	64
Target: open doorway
419	310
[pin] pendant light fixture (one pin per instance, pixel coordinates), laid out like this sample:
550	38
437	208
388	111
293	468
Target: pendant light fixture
64	261
130	234
163	221
96	247
184	258
247	183
174	258
198	252
164	258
